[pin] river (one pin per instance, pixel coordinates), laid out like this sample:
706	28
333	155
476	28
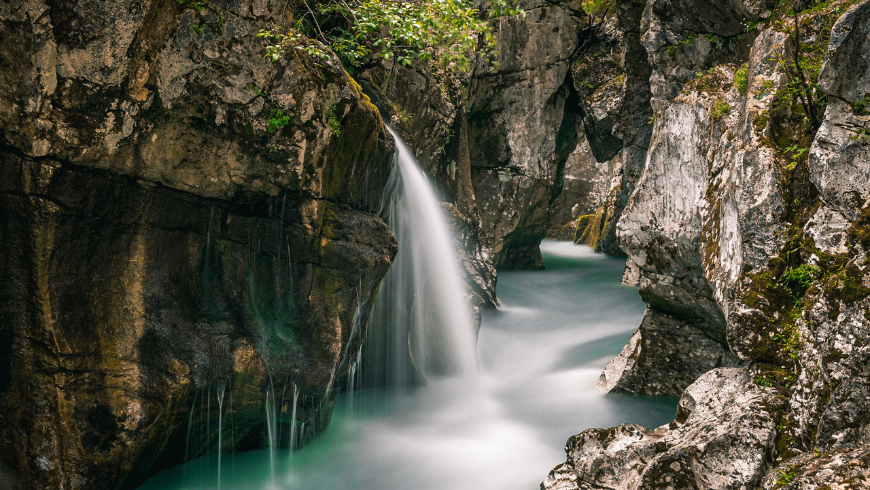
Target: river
540	356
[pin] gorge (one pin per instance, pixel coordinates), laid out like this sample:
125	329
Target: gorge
194	238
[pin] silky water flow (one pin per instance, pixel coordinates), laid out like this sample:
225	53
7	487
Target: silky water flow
425	409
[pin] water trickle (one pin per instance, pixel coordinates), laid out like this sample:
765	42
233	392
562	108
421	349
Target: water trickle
271	427
293	441
421	325
541	355
221	390
187	454
353	384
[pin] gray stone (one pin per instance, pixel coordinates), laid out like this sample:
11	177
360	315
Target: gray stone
722	438
663	357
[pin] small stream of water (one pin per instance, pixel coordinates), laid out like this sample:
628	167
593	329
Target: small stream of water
540	357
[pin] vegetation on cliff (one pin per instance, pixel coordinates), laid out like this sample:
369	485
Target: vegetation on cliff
448	32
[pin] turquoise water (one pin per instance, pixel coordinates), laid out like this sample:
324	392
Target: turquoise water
540	356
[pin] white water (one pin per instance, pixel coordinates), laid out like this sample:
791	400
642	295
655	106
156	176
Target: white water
421	325
498	423
540	357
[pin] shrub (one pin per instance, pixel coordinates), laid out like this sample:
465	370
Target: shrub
741	78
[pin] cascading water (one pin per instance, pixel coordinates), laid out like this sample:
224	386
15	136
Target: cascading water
421	325
540	357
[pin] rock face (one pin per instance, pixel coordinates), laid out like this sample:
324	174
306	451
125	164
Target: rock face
176	215
587	185
531	146
722	438
747	236
522	126
661	337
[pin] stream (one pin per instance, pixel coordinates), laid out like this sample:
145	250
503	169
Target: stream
540	356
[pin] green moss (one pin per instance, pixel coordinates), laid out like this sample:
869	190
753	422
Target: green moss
720	108
619	81
332	120
859	232
785	477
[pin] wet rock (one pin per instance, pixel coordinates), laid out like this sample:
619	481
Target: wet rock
428	111
722	438
663	357
587	184
721	223
176	212
594	168
686	37
660	228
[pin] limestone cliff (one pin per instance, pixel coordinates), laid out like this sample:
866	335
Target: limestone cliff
746	236
176	214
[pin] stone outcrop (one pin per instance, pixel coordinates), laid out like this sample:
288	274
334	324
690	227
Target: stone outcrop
586	187
722	438
522	127
176	214
661	337
594	168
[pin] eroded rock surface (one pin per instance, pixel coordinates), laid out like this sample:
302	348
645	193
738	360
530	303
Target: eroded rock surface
522	126
722	438
664	355
747	235
176	213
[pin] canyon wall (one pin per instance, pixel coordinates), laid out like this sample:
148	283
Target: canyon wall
746	235
179	217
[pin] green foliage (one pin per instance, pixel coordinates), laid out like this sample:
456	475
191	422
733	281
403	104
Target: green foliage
763	382
689	41
860	136
741	78
790	340
803	275
786	476
332	121
197	29
801	92
447	32
751	26
861	107
257	91
278	39
796	153
712	38
720	108
277	120
598	8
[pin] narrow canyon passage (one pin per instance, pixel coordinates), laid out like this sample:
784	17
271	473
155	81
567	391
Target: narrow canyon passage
540	357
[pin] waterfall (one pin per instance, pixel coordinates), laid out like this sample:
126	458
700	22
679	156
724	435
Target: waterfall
421	324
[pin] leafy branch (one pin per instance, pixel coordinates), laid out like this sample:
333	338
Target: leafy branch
448	32
799	70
